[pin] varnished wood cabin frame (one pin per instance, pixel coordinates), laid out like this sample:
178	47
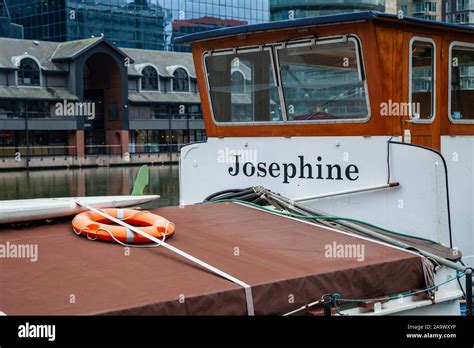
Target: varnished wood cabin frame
385	43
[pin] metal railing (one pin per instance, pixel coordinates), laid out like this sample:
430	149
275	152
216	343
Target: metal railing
155	148
102	150
166	116
8	115
89	150
186	117
34	151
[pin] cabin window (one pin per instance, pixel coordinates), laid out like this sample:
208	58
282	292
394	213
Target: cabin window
242	86
461	83
422	80
322	81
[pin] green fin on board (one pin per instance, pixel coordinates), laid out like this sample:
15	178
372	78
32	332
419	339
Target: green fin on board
141	182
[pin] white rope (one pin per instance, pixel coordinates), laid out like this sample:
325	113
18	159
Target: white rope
305	307
247	287
138	212
116	240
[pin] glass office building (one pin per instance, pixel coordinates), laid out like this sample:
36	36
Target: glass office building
136	24
188	17
292	9
147	24
7	28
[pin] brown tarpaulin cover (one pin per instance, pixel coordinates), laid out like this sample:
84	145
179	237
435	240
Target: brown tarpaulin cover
281	258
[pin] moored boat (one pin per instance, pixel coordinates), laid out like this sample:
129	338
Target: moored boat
312	194
364	116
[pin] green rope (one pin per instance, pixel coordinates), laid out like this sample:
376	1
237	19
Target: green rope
336	297
323	217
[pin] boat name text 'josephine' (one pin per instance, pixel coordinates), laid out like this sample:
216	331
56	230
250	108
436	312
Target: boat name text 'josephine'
300	170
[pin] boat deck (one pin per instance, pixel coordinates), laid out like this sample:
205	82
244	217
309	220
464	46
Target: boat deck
281	258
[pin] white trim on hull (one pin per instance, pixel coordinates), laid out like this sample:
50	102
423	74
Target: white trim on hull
446	300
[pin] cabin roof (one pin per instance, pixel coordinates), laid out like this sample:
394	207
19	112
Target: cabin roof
304	22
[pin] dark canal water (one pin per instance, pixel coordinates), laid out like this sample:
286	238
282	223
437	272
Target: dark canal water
102	181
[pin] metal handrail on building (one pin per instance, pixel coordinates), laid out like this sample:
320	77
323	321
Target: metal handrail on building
7	115
102	150
167	116
19	152
33	151
150	148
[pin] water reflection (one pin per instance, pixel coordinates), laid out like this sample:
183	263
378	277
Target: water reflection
101	181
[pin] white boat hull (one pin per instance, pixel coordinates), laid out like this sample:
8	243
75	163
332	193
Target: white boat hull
419	206
321	166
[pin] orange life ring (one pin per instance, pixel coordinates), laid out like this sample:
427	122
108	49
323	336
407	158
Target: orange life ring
95	226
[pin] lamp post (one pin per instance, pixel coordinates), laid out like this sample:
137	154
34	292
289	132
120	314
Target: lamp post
27	138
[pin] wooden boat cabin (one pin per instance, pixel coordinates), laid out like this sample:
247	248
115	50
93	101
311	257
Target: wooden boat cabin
376	96
361	74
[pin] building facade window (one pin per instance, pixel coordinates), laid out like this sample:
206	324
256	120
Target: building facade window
38	109
29	73
179	111
160	111
150	79
29	108
150	141
10	109
180	80
425	7
461	18
462	5
237	82
40	143
195	112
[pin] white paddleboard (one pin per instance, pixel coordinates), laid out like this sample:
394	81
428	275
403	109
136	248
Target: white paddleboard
48	208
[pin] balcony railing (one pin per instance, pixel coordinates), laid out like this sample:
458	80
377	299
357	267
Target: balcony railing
166	117
5	115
